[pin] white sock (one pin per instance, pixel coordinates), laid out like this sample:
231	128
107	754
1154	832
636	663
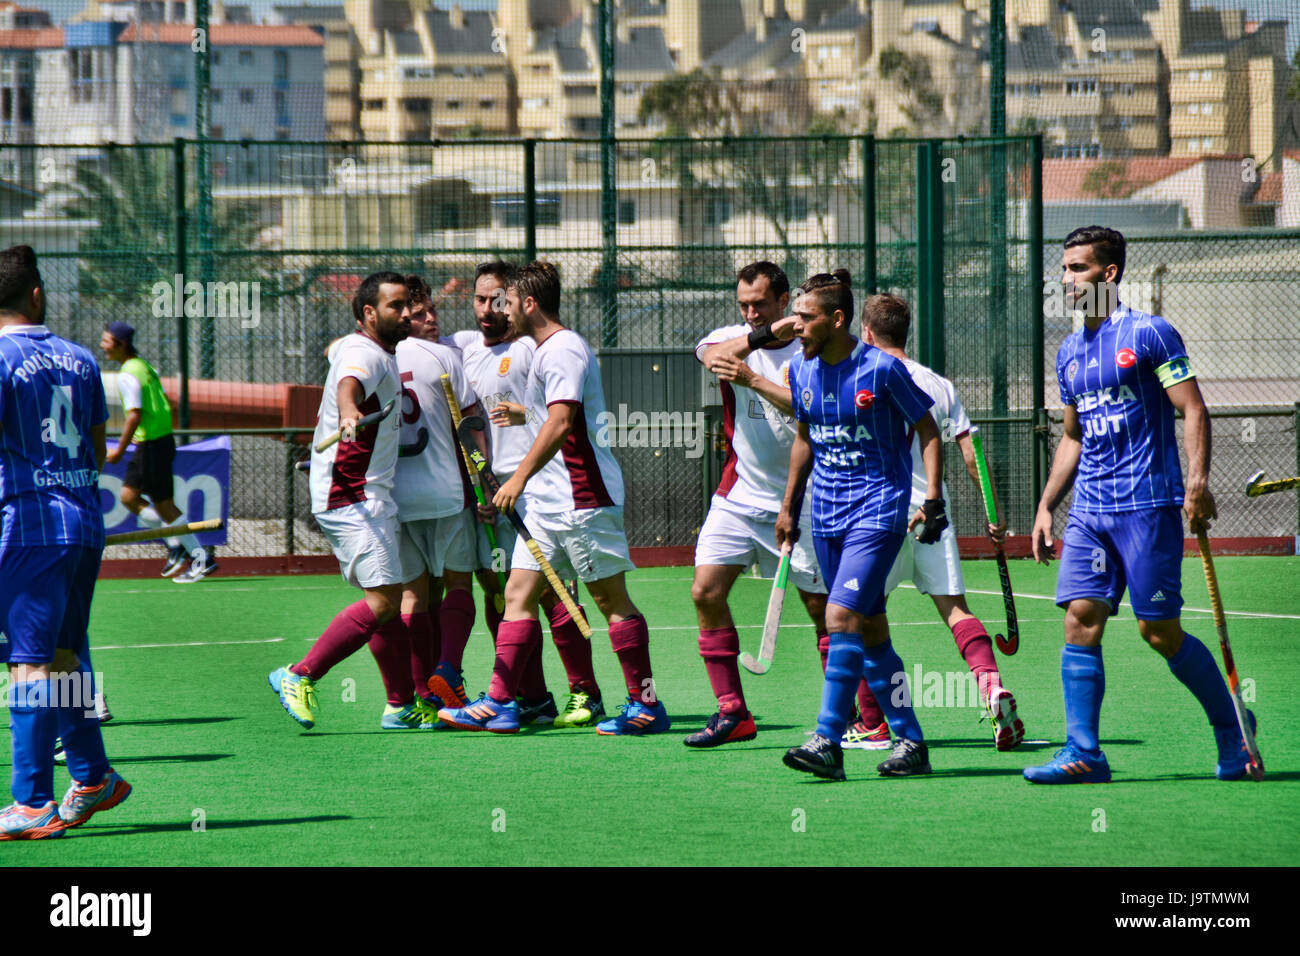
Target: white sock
149	517
191	544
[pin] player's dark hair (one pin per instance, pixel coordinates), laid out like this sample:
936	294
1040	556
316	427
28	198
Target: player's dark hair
18	277
540	281
367	293
776	278
832	291
498	269
418	290
888	318
1108	245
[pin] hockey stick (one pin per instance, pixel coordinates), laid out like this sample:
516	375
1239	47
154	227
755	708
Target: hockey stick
155	534
365	421
1256	766
1257	486
772	622
498	599
403	451
1011	643
466	434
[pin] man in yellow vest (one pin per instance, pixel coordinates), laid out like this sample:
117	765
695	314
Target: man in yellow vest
149	472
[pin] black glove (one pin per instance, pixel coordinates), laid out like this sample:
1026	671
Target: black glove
935	521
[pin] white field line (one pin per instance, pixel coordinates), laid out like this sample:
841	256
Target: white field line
96	648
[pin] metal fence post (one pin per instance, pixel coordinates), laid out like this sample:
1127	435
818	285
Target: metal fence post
1295	421
182	322
1037	318
869	212
929	254
530	200
290	494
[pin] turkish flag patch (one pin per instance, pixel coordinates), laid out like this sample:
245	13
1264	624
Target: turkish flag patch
864	399
1126	358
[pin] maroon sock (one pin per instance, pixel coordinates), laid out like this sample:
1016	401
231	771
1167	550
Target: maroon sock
823	648
720	646
347	634
491	615
575	651
976	649
391	645
872	715
424	646
630	639
516	641
532	682
457	619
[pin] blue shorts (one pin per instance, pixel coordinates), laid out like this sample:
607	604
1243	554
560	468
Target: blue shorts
1142	550
856	565
45	595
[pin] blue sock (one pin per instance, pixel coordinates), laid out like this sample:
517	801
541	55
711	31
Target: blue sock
33	725
1194	665
82	741
1084	678
843	672
884	668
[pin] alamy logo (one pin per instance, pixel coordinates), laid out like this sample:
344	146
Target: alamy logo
75	909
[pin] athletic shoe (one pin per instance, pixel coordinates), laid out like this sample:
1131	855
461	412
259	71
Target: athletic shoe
484	714
203	564
1070	766
1008	731
1233	757
724	729
581	710
539	712
81	801
415	716
176	558
636	719
297	694
820	756
101	707
859	736
908	758
18	822
60	755
448	685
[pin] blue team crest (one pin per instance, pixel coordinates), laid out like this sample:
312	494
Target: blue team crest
806	396
1072	369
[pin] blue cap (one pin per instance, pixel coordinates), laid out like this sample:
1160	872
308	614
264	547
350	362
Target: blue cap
121	331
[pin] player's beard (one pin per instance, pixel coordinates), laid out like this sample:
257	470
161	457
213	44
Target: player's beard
812	347
496	326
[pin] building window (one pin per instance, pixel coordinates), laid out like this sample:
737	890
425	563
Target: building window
216	57
1127	89
1126	56
216	96
416	105
486	104
282	66
245	57
247	96
797	208
373	105
626	212
217	132
1207	109
1081	88
453	105
717	210
281	103
1207	145
511	210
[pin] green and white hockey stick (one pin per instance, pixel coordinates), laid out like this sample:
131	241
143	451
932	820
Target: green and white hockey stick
1011	643
772	622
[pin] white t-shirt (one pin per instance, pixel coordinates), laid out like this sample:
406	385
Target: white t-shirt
499	373
348	472
583	474
948	414
759	436
128	387
430	484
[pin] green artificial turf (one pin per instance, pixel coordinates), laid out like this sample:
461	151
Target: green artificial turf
223	776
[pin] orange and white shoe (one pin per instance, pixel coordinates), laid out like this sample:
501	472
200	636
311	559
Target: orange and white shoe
1008	731
19	822
80	802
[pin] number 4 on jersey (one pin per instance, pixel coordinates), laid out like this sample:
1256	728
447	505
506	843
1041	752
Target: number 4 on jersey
59	429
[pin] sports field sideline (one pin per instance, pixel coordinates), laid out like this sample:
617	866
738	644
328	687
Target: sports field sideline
223	776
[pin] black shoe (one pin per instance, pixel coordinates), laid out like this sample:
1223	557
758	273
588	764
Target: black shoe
204	562
820	756
724	729
539	712
176	558
908	757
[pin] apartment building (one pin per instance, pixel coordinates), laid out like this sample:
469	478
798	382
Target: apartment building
23	31
342	62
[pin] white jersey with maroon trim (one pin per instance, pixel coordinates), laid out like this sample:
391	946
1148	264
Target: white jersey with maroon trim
759	436
948	413
498	373
583	474
360	470
432	483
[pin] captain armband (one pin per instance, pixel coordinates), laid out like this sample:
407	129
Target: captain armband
1175	371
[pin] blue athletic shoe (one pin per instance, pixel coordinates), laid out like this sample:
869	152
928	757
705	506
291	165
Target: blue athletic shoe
1070	766
636	719
484	714
1233	758
297	695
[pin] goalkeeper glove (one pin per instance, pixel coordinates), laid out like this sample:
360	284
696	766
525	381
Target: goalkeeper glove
935	521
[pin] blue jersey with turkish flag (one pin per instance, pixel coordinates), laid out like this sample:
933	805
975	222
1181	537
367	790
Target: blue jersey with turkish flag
51	396
1116	377
858	412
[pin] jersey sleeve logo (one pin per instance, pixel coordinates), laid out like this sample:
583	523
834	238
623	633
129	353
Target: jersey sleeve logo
806	396
864	399
505	366
1072	370
1126	358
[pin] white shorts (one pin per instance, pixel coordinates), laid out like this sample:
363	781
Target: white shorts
588	544
505	534
734	534
438	544
933	568
364	537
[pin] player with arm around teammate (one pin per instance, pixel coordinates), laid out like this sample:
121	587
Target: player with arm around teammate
854	405
52	424
1121	377
752	359
935	568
